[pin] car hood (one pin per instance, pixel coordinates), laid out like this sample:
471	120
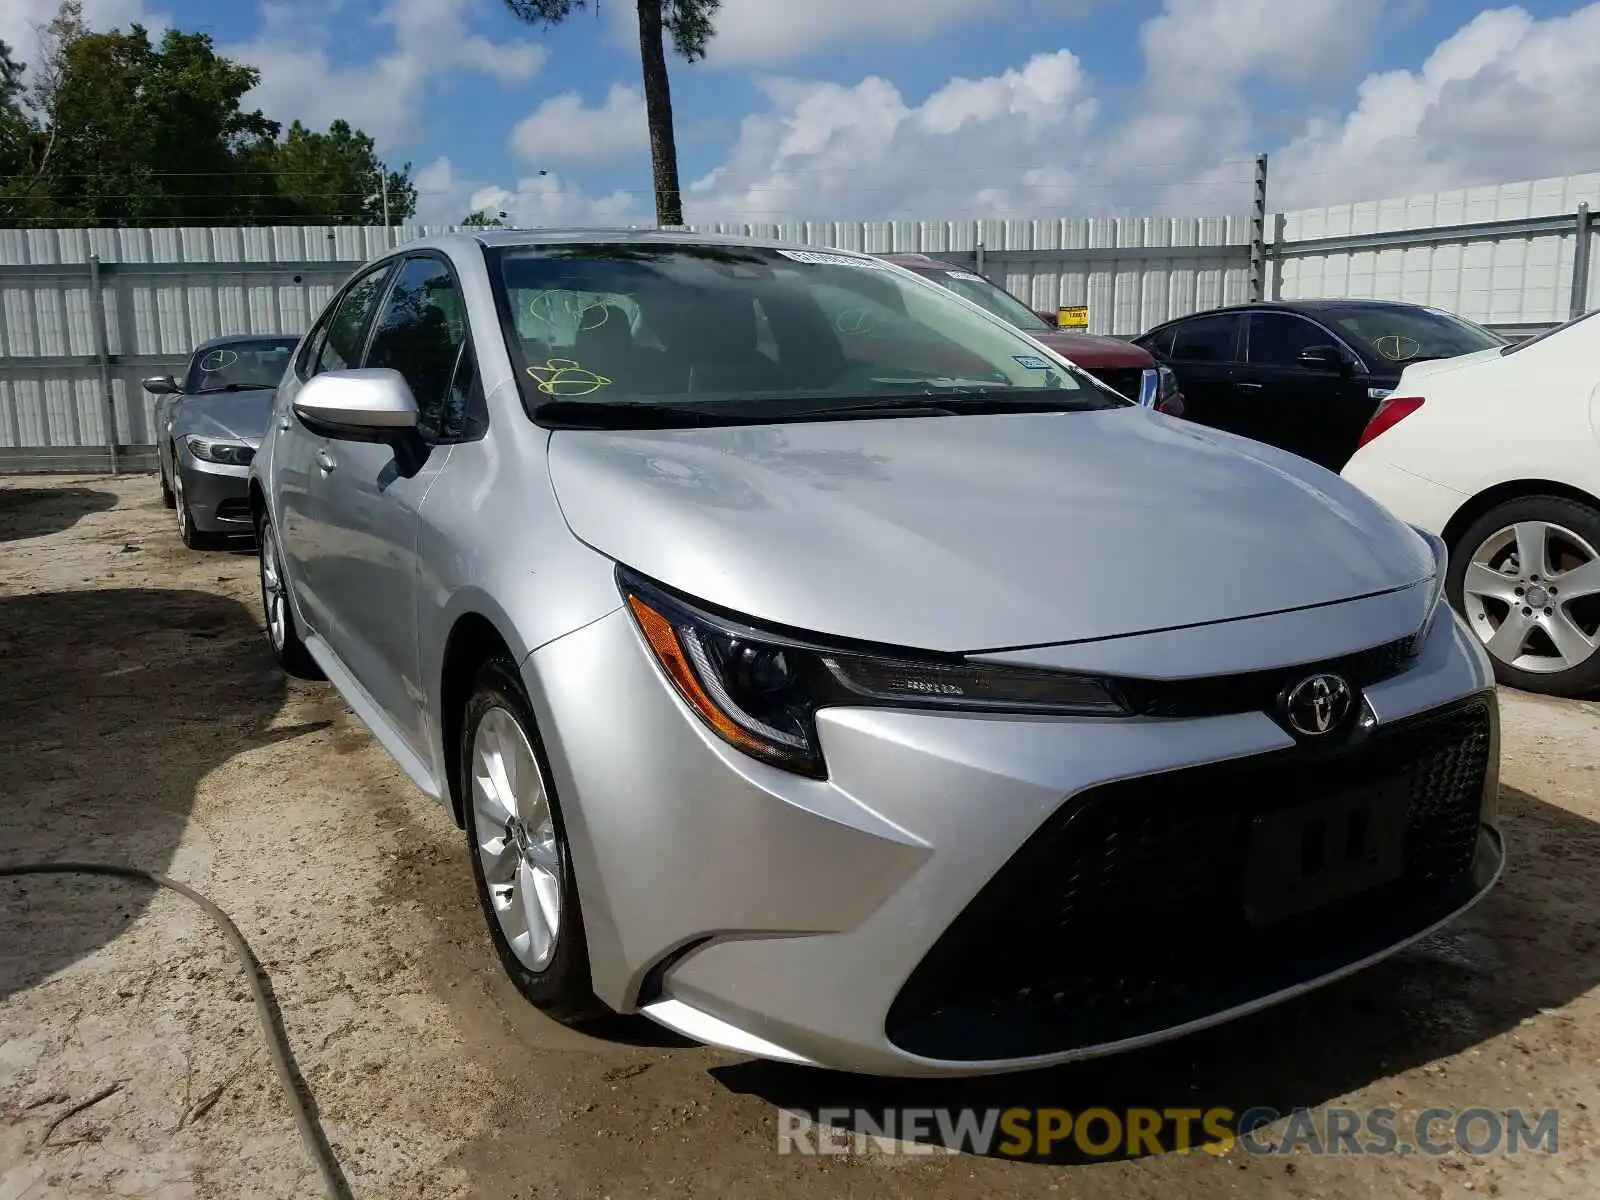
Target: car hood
980	532
238	416
1091	350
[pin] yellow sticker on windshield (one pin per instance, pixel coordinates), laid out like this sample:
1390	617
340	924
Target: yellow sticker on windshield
565	377
559	308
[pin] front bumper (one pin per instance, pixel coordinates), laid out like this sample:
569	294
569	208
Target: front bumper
901	918
218	495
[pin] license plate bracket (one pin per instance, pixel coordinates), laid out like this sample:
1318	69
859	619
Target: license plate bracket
1313	854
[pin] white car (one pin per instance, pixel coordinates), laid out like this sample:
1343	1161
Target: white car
1498	453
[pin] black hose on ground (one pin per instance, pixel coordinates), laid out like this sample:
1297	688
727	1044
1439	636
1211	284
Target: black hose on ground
294	1089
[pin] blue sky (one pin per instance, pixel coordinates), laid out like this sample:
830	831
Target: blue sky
816	110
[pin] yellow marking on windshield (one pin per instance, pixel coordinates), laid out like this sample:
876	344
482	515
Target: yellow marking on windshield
565	377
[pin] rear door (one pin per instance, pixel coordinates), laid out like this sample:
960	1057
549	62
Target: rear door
370	494
1315	412
1203	355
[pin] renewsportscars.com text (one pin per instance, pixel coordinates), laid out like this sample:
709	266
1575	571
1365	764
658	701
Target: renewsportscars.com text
1136	1132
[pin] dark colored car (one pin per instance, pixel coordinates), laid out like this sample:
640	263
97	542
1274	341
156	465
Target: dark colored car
207	430
1115	362
1305	375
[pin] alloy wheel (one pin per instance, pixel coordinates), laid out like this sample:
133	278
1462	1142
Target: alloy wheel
273	599
516	839
1528	595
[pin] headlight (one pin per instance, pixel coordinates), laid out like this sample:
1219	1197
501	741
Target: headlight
233	454
760	691
1441	568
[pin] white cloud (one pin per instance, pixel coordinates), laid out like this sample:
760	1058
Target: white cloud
767	32
563	129
428	40
445	198
824	149
20	18
1506	98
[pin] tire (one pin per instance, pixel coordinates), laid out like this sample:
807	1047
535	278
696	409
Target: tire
168	500
188	532
283	635
533	861
1540	652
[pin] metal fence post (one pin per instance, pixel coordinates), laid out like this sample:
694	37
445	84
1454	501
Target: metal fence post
979	262
97	320
1258	232
1580	264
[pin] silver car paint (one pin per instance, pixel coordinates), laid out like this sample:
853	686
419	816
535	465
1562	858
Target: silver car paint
995	525
818	895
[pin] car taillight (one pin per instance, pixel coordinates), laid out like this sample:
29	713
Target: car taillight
1389	414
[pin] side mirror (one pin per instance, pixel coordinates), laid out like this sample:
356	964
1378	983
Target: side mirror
1049	318
372	404
162	385
1324	358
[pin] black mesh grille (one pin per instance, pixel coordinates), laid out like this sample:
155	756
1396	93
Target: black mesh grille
1125	914
1126	380
1258	691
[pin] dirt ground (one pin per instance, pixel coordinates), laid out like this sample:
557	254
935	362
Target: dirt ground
142	722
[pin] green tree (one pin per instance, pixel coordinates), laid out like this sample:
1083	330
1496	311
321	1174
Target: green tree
483	219
109	128
337	178
690	24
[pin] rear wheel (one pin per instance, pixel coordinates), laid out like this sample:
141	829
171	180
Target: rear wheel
1526	578
283	635
518	843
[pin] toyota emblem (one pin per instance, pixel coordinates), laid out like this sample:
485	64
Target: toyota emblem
1318	705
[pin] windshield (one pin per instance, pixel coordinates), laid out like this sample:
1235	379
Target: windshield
258	362
764	333
1400	334
991	297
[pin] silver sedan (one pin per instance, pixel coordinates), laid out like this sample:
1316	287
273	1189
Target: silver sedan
831	672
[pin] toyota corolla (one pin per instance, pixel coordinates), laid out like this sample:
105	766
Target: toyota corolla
831	672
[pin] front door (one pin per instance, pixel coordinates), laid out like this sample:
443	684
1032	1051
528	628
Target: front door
370	495
1204	354
300	453
1316	412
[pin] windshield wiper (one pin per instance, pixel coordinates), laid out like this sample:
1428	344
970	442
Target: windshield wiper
943	404
235	387
617	414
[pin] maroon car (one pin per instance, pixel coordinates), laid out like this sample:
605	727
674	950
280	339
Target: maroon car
1121	365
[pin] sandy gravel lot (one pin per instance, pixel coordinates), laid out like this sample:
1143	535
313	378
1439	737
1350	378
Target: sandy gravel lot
142	722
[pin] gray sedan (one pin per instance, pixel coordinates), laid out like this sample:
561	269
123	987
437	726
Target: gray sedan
207	429
831	672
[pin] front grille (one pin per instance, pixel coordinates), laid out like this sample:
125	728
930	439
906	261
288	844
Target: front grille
1258	691
1126	380
1125	913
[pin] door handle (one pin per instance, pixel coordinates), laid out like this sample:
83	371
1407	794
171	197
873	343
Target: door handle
326	461
1248	387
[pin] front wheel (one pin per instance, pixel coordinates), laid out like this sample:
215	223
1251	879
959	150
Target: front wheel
283	634
1526	578
518	843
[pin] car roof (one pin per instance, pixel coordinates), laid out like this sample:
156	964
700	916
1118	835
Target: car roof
498	238
233	339
1308	308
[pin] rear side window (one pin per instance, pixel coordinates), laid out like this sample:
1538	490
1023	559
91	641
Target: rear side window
1207	339
341	348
